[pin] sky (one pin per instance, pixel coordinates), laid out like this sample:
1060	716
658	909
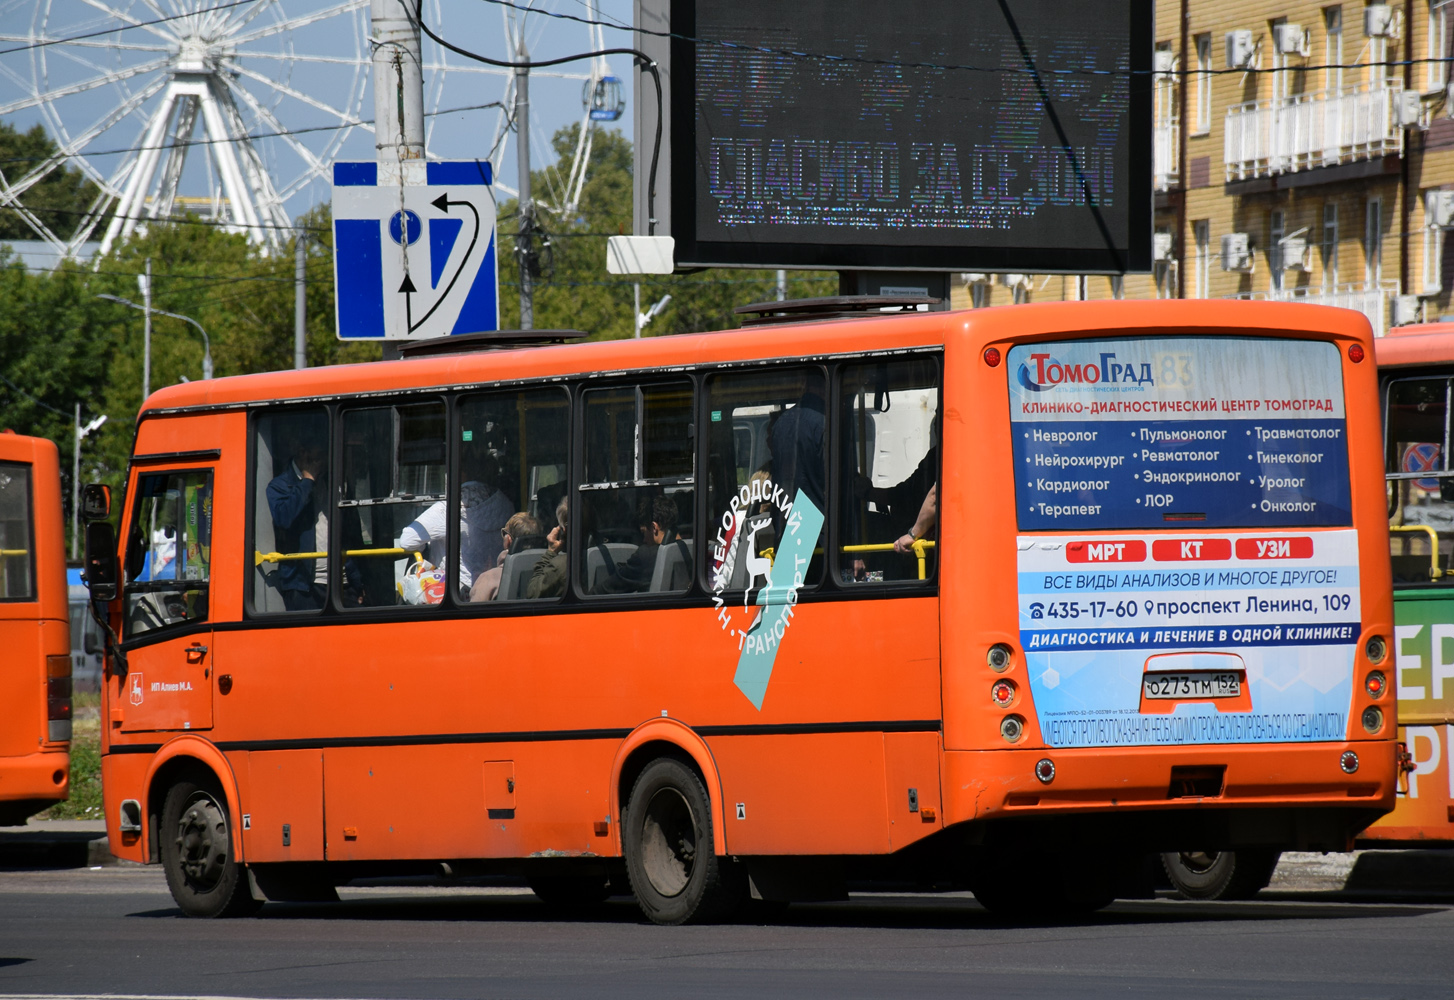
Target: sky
304	78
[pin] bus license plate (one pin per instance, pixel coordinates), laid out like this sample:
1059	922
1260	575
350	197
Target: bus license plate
1192	685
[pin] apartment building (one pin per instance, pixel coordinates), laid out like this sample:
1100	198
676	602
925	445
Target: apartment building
1303	151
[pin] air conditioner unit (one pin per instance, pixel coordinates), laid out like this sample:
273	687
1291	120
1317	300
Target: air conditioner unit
1378	20
1162	247
1406	310
976	279
1165	61
1237	252
1016	280
1296	254
1410	109
1439	209
1290	39
1240	49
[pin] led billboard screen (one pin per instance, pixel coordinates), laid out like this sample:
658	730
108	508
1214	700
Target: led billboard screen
973	135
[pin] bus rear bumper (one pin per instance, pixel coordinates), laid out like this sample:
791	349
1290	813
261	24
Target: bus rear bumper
33	782
1002	784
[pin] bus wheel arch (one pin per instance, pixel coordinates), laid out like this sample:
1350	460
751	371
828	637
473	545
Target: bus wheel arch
666	738
184	758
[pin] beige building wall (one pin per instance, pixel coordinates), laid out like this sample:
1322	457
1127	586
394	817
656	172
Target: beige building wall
1317	171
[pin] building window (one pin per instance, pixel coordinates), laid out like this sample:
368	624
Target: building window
1436	71
1118	286
1276	230
1373	244
1333	49
1330	246
1202	272
1204	85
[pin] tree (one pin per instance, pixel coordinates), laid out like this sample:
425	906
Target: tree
60	200
578	293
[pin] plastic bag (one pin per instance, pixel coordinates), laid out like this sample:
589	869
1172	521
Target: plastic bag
423	583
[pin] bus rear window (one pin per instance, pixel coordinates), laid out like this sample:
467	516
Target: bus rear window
1195	432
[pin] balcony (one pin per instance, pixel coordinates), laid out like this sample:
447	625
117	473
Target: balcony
1371	300
1164	157
1317	129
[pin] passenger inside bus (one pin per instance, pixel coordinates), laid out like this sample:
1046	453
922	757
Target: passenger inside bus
299	525
657	518
549	576
484	509
520	533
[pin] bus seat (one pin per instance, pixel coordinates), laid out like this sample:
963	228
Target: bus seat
596	570
673	570
516	574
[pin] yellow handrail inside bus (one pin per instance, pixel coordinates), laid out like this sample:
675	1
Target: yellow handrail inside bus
276	557
920	547
1434	571
14	552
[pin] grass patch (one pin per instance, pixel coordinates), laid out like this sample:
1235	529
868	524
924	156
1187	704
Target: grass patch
85	800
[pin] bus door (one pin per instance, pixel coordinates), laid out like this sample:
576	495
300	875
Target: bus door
165	635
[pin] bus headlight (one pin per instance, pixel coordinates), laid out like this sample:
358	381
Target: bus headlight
1373	718
1012	727
998	657
1376	648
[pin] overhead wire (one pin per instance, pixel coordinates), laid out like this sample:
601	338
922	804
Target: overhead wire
124	27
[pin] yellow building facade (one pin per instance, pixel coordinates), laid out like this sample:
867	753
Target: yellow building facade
1302	151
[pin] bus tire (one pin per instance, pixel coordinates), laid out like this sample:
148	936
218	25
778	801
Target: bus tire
196	848
1226	875
675	875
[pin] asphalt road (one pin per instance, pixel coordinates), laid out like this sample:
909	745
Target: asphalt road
115	931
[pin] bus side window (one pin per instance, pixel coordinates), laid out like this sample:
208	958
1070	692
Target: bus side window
637	499
1421	485
17	577
391	506
290	510
767	465
890	463
514	456
169	552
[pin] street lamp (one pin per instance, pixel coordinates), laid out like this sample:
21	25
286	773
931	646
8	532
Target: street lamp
206	343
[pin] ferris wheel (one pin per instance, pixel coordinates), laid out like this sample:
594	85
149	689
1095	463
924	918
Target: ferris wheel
266	93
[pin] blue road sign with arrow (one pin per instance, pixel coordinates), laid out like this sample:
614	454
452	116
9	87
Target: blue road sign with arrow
414	249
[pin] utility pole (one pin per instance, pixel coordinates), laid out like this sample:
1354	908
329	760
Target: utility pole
300	305
782	285
522	161
145	281
398	82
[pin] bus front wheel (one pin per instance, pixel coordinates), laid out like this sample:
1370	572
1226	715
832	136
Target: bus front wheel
675	874
1224	875
196	848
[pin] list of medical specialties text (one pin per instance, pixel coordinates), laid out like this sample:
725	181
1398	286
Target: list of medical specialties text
1159	434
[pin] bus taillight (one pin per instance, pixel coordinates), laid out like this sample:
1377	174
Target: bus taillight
1355	353
1002	693
58	695
1375	683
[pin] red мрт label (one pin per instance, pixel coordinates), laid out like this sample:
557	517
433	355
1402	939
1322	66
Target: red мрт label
1275	548
1179	549
1105	552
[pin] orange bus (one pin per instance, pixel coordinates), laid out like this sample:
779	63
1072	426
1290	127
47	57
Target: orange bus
35	671
1416	366
956	598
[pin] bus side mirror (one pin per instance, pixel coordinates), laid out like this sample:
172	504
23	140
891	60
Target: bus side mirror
101	560
96	502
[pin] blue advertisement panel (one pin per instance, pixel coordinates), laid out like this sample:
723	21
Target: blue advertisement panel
1201	584
1179	432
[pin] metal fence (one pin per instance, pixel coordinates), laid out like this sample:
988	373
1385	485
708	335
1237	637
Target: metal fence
1309	130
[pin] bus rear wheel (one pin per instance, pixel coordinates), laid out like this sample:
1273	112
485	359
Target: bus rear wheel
1227	875
196	848
675	875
